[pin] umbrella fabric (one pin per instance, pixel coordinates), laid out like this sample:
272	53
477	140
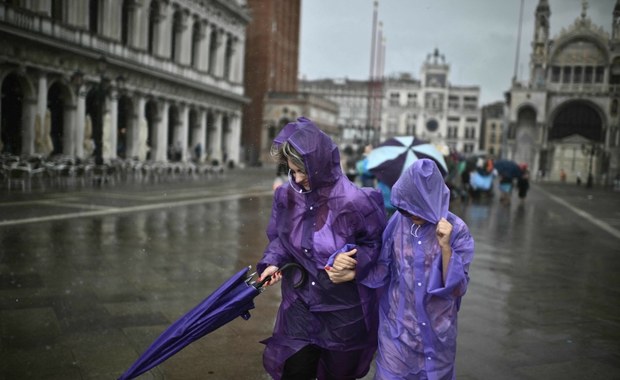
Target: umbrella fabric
232	299
392	157
507	168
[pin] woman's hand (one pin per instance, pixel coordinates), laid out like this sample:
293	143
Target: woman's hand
340	276
343	269
271	271
443	232
345	261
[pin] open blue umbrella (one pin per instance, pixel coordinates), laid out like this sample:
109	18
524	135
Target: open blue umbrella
507	168
234	298
392	157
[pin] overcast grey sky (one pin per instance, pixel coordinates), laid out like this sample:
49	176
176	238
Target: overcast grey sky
477	37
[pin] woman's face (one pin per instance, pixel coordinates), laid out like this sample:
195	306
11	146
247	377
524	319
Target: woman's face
300	176
414	218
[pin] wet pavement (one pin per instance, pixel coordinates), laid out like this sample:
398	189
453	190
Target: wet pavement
91	275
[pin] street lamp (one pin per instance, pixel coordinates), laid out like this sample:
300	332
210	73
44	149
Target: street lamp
591	150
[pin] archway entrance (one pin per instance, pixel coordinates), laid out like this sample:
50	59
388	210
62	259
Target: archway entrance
11	127
576	129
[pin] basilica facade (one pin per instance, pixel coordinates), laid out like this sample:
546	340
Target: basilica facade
565	119
152	80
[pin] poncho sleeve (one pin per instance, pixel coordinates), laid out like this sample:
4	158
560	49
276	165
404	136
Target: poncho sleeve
275	253
457	278
370	223
379	275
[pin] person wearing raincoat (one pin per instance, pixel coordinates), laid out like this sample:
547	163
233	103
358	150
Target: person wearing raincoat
327	328
424	269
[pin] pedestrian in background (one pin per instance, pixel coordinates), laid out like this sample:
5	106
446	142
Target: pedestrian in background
505	189
523	182
424	264
327	328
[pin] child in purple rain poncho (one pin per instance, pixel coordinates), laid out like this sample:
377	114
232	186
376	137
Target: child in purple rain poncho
424	263
327	328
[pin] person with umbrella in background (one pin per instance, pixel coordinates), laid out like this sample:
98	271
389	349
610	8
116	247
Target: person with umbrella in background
326	329
424	264
523	182
393	156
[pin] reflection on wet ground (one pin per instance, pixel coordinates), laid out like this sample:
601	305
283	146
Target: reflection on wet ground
82	297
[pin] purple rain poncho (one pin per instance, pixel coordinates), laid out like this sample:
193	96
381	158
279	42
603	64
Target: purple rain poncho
308	227
418	313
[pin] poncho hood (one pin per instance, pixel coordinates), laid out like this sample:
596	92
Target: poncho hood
318	151
416	191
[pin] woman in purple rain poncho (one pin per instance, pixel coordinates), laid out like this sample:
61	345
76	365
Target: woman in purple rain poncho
327	328
424	262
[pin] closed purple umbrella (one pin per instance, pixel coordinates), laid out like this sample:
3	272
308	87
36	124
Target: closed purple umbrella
234	298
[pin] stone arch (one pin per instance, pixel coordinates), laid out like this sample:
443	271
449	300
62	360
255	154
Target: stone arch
562	47
60	103
12	113
17	94
524	133
577	117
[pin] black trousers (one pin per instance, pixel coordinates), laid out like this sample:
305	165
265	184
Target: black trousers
312	362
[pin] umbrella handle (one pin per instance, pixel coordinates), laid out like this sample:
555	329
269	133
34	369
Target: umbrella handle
285	267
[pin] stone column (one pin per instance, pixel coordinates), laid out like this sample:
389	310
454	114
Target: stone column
110	126
161	134
29	108
233	140
42	97
80	121
133	127
216	144
202	132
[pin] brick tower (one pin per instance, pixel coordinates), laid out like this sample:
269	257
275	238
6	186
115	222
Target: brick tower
271	65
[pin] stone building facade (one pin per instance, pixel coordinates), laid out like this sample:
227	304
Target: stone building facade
566	116
492	129
351	98
430	108
145	79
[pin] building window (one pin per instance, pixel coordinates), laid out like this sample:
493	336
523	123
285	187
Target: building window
153	21
599	74
394	99
93	15
556	73
577	74
195	44
566	74
588	74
